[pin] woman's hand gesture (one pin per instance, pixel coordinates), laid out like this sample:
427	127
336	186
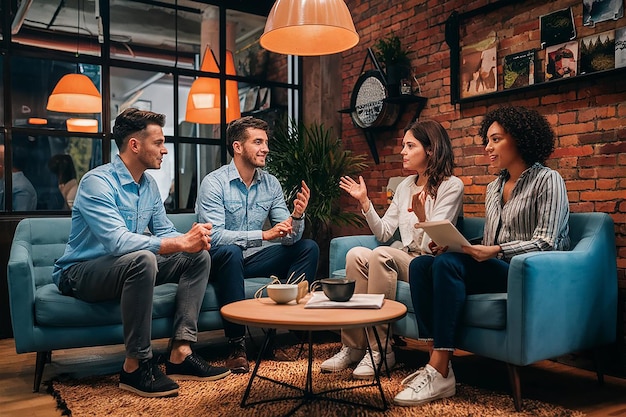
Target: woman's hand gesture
358	190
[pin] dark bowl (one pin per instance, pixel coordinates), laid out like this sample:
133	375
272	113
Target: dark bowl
338	289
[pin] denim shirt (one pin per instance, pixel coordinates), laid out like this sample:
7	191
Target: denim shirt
110	215
238	213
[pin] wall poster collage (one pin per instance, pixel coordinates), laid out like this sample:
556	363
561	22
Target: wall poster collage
564	54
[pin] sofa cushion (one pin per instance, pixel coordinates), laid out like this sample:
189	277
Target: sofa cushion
487	311
481	310
54	309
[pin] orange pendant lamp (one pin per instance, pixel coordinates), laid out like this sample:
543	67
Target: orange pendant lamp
82	125
309	28
75	93
203	102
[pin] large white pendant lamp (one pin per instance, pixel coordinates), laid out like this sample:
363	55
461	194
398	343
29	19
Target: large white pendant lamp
203	101
75	93
309	28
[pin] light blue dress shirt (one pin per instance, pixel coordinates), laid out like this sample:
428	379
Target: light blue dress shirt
111	214
238	213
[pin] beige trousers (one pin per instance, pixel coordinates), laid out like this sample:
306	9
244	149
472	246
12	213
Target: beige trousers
376	272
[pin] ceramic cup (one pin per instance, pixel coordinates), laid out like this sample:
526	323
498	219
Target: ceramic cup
282	293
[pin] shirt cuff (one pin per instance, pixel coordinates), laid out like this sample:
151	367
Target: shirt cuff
255	238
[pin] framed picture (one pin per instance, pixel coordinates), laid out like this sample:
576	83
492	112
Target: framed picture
252	61
595	11
557	27
519	69
597	52
478	69
620	47
561	61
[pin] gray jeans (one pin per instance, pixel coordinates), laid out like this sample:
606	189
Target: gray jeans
131	278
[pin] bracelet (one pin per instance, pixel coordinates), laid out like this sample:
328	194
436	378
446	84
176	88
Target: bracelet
297	218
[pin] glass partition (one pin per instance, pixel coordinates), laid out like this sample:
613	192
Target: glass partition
47	169
69	26
32	82
145	90
194	162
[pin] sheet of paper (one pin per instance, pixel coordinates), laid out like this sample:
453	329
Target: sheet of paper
319	300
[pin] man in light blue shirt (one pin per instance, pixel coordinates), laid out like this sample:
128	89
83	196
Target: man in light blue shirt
109	256
237	199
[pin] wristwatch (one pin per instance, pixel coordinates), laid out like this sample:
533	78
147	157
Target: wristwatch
500	254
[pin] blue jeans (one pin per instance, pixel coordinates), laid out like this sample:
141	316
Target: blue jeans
131	278
439	286
229	269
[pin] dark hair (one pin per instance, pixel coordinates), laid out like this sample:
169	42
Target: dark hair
132	121
237	130
436	142
63	166
534	138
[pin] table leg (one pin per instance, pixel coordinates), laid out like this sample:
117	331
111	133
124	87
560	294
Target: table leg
307	394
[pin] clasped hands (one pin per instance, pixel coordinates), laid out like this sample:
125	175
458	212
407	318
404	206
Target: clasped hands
199	237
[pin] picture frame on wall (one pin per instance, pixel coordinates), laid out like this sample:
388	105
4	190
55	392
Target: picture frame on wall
620	47
519	69
557	27
479	68
596	11
561	61
597	52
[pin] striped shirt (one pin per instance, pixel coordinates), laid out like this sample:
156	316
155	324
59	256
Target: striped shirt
535	218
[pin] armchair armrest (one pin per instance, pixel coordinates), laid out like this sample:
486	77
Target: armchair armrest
340	246
563	301
21	286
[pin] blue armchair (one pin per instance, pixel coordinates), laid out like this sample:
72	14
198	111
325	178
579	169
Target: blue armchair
556	302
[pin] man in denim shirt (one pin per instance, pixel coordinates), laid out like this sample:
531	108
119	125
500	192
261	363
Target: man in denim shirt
108	256
237	199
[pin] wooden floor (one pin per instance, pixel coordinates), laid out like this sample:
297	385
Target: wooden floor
548	381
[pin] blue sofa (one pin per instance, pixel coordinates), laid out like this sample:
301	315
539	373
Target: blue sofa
556	302
44	320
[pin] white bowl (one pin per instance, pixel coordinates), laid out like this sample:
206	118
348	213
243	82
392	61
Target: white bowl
282	293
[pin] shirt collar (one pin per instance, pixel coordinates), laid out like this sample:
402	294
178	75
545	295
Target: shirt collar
233	173
123	172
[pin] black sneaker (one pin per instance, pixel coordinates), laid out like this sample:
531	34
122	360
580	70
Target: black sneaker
148	381
195	368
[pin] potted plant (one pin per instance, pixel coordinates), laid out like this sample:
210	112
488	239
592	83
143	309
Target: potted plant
313	154
395	60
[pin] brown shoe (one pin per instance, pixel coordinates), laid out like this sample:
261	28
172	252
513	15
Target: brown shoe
237	361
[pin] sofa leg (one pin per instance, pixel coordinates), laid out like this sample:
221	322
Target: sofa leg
40	363
599	355
515	386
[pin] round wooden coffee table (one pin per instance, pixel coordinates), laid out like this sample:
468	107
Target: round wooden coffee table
265	313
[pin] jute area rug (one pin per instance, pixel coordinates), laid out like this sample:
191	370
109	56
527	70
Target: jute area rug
100	396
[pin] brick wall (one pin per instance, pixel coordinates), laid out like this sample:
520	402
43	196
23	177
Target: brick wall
588	115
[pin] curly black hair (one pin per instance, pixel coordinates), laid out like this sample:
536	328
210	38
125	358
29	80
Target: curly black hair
531	131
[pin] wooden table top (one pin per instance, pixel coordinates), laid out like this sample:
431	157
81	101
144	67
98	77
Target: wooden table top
264	312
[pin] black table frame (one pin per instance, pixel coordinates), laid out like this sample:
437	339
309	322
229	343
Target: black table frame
307	394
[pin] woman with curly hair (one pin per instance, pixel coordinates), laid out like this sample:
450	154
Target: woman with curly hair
432	193
526	210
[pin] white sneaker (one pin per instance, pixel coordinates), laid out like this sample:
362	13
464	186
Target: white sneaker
342	359
365	368
425	385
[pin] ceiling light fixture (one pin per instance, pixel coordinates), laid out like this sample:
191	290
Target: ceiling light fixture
203	102
75	93
309	28
82	125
